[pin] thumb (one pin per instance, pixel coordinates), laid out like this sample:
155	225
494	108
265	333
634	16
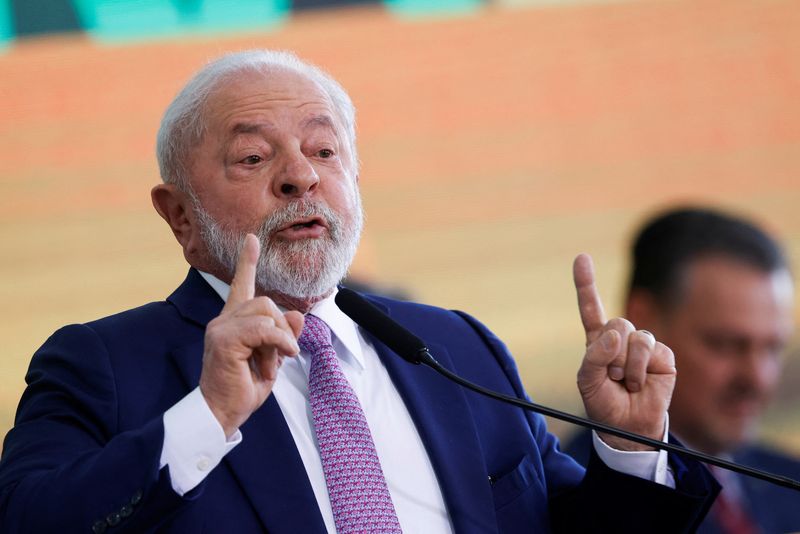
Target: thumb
604	356
243	285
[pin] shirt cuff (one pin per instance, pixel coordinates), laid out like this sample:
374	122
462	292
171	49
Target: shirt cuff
194	442
649	465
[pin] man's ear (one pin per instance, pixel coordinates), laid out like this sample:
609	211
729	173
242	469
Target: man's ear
642	309
175	207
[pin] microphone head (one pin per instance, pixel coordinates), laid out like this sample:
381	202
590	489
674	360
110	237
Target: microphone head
376	322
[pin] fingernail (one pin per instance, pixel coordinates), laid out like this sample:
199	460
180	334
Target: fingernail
650	335
616	373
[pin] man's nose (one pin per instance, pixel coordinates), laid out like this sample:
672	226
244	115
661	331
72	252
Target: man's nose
760	369
296	177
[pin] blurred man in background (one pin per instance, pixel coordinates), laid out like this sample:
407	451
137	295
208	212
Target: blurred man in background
717	290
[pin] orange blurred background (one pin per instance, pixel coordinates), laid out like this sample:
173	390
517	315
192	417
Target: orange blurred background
496	144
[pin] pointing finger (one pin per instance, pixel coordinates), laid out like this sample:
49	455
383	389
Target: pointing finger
589	304
243	286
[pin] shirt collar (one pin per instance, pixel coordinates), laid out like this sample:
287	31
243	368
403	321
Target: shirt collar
342	327
222	289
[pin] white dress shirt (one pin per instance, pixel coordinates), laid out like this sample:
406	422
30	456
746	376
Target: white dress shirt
194	442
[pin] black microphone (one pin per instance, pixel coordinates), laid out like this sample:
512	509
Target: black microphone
413	350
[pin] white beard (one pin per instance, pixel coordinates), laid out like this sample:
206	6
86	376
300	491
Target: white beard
303	269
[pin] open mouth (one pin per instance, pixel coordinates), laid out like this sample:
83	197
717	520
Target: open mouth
305	224
308	227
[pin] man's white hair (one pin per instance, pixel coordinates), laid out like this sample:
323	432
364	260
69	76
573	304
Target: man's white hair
184	123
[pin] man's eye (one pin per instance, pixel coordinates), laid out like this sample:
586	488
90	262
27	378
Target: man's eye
252	160
325	153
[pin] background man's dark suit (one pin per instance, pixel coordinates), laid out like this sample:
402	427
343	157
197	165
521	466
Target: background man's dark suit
88	437
774	509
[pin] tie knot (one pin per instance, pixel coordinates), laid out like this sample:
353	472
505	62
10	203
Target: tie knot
316	335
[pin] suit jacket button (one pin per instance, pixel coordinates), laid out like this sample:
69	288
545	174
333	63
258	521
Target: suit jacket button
137	497
113	519
99	527
126	510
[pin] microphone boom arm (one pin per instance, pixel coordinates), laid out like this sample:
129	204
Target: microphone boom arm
428	359
413	350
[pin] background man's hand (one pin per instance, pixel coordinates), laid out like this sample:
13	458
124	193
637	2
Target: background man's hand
626	377
245	345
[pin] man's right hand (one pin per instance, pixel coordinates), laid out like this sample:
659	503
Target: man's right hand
245	345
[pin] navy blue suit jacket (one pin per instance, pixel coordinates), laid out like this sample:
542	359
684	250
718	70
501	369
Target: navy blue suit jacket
774	508
86	445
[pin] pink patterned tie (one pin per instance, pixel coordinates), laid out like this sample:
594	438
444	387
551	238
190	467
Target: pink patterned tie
359	496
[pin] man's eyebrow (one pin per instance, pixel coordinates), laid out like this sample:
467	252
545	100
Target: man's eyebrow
319	120
261	127
250	128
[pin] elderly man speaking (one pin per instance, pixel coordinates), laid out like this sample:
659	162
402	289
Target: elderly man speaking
248	402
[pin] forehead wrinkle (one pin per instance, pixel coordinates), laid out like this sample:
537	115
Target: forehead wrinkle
263	125
229	103
262	128
244	96
251	128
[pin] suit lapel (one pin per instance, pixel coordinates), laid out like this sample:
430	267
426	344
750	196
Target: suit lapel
272	474
442	417
266	464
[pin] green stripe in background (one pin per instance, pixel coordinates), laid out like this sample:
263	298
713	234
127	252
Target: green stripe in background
127	20
6	30
414	8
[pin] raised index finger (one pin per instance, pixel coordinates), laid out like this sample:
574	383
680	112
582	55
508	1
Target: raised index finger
243	286
589	304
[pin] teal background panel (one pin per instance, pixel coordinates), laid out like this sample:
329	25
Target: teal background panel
122	20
